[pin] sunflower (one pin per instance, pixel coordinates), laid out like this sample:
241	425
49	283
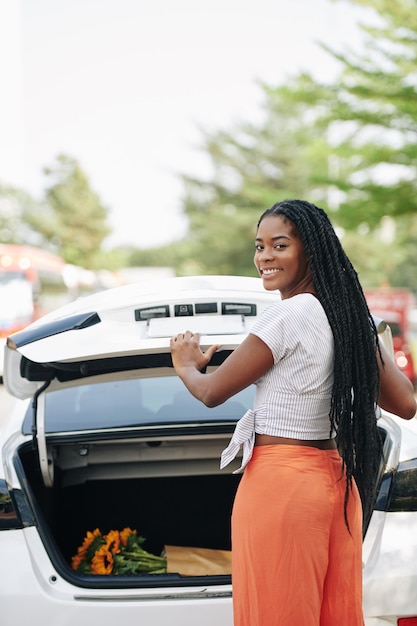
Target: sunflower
117	553
113	541
124	535
102	561
82	551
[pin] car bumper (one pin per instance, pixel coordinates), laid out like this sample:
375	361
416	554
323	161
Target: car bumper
32	592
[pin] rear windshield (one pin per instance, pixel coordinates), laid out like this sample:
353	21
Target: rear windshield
159	400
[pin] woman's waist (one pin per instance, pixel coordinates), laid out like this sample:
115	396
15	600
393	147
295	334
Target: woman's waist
321	444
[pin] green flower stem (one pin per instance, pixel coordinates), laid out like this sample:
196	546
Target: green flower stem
143	556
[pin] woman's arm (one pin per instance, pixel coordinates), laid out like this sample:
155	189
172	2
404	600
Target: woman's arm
396	390
243	366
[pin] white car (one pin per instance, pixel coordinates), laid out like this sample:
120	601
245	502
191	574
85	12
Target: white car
104	440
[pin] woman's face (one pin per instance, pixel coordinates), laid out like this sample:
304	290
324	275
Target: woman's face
280	258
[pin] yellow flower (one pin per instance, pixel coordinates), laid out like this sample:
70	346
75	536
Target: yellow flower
76	561
124	534
88	540
113	541
117	552
102	561
82	550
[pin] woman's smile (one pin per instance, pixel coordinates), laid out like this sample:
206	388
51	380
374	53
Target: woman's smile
270	270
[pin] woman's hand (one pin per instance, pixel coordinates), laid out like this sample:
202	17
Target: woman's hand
244	366
186	352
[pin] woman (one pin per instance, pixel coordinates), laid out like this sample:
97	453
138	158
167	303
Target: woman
319	371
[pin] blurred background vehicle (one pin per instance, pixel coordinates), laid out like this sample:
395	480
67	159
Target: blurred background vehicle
34	282
395	307
31	284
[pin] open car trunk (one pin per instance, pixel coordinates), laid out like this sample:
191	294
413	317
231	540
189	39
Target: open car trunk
170	490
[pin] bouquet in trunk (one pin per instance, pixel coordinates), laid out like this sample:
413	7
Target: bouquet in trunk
116	553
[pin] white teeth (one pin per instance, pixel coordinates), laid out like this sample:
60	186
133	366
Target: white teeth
270	271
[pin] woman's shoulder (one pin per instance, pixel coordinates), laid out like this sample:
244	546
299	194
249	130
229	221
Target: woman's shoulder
303	303
297	312
290	323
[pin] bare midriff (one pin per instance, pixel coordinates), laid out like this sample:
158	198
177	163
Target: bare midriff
322	444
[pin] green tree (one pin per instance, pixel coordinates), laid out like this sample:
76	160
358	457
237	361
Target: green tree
372	127
16	209
405	271
373	118
74	218
253	166
349	146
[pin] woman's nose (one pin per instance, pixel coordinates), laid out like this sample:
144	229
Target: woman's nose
265	253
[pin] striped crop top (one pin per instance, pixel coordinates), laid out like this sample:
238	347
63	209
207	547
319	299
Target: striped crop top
292	399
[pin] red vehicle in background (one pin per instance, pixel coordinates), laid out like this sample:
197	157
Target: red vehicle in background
31	284
394	306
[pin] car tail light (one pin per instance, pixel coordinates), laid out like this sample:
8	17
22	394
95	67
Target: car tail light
9	517
407	621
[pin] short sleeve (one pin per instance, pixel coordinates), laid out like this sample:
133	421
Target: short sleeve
271	329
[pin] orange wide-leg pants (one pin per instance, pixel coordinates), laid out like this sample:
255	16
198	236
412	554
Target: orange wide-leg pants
294	561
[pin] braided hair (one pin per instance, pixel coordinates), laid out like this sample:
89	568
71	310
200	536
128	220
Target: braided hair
356	373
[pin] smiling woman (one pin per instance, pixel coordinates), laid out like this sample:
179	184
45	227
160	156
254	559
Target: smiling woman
317	365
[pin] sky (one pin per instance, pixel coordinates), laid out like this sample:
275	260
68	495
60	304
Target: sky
125	86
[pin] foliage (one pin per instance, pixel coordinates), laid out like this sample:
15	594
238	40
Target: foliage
74	215
349	146
374	116
403	274
253	166
111	259
70	220
18	211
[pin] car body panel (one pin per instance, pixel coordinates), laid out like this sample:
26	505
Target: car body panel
393	568
32	591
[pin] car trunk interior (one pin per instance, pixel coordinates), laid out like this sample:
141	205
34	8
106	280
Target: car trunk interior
171	491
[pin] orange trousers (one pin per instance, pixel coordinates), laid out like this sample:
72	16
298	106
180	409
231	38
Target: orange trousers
294	562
